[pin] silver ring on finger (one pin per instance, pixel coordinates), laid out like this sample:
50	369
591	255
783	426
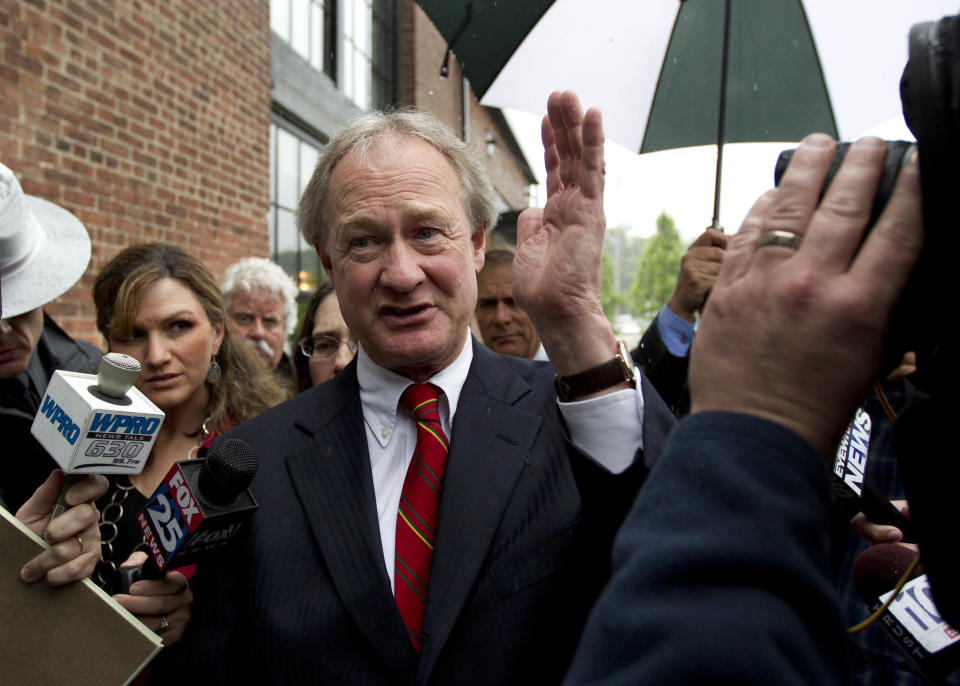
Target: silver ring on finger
80	541
783	239
164	625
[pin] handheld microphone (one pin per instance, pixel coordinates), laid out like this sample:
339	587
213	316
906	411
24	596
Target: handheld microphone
97	424
199	506
849	470
912	619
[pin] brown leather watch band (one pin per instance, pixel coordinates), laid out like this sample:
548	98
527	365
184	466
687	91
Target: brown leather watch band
598	378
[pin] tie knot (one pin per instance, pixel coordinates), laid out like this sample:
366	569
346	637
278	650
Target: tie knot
420	398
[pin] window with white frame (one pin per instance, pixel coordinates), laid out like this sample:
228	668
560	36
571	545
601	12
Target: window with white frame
308	27
293	155
349	40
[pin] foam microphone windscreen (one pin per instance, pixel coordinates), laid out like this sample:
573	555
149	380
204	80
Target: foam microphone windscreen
228	470
878	569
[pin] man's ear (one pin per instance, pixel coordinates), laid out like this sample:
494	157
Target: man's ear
479	242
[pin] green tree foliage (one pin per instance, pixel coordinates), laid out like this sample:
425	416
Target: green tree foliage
657	269
624	250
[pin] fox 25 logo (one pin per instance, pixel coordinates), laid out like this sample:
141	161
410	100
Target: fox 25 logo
173	512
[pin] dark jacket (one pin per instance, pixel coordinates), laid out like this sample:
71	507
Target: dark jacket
667	372
721	571
525	527
24	464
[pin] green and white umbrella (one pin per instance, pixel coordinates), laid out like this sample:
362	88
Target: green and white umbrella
677	73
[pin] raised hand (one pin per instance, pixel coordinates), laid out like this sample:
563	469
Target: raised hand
559	248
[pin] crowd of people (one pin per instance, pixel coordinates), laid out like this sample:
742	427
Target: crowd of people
437	509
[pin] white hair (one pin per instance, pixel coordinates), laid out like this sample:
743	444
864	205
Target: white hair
258	273
480	199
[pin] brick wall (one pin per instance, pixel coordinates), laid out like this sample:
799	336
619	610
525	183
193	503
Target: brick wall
148	119
420	84
508	176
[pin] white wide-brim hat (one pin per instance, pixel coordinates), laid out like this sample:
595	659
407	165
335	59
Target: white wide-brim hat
44	249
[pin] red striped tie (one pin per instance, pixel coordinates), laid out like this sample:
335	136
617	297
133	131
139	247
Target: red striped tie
417	515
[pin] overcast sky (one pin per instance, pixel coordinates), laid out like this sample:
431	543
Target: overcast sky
862	48
679	182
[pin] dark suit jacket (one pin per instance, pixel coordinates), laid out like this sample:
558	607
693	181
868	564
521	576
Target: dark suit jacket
25	464
525	526
666	371
727	579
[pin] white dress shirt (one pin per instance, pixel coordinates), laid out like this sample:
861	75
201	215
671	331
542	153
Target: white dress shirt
608	428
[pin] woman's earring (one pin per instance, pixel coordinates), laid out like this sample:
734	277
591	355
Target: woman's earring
214	372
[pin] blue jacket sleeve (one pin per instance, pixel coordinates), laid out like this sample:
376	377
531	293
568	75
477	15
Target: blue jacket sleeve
721	569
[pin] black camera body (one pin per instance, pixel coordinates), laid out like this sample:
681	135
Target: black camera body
930	95
925	320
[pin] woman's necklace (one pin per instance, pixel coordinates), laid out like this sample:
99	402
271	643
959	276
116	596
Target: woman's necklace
113	512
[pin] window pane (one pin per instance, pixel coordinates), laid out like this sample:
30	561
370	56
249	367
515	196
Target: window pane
280	18
287	240
361	81
300	40
271	223
347	20
287	169
347	55
273	163
308	160
316	36
361	28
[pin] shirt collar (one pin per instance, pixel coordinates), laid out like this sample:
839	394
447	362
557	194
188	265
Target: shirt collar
380	390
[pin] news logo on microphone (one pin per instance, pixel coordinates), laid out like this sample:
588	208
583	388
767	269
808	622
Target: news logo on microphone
88	432
851	461
192	511
914	623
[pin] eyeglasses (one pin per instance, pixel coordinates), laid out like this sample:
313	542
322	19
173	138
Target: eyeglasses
324	346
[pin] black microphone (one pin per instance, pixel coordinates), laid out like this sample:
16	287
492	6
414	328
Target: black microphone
912	619
198	507
848	481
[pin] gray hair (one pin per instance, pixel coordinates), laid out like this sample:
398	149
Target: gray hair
258	273
479	197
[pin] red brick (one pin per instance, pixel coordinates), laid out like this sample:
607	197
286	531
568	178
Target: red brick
123	113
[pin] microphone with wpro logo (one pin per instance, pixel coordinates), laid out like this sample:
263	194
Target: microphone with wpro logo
199	506
97	424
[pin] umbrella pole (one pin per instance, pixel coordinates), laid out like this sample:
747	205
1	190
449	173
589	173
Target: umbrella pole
722	115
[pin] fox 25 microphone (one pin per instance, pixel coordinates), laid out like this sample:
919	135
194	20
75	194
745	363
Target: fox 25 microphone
97	424
200	505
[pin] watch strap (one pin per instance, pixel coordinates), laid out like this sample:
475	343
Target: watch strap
598	378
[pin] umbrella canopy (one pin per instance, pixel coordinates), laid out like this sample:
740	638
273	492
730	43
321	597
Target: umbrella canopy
678	73
654	67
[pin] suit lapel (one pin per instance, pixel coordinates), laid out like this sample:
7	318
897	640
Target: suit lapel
332	478
491	439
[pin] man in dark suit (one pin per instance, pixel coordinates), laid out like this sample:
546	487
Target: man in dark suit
530	492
